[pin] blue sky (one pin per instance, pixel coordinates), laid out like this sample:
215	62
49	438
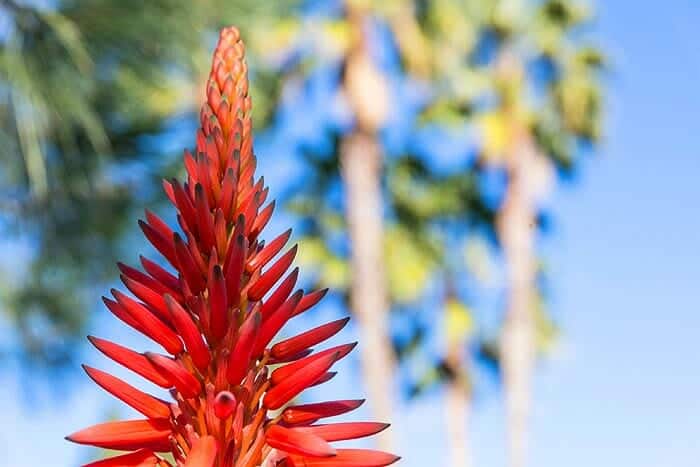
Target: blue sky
624	387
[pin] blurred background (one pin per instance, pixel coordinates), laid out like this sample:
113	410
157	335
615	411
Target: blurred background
501	192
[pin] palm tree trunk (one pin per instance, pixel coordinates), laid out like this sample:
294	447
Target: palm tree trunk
515	229
458	408
361	170
361	167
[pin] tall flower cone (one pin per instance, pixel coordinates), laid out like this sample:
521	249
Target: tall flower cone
216	317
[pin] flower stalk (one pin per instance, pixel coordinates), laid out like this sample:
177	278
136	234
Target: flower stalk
215	311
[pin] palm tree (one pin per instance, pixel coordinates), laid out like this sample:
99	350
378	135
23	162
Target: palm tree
529	133
530	85
361	170
358	161
389	262
400	253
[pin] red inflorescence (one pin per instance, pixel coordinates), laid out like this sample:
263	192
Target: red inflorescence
217	315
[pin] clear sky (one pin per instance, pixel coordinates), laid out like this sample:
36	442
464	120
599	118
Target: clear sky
624	389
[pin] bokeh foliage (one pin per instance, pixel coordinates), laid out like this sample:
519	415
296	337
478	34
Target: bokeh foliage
85	88
456	50
88	85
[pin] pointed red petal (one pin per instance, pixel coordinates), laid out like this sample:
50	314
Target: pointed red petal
262	219
168	189
184	205
162	244
218	302
145	279
297	442
239	360
158	224
160	274
128	435
187	266
272	275
228	191
205	221
207	165
274	322
190	334
177	374
329	375
290	358
290	387
277	298
195	252
148	296
343	431
121	313
200	310
310	300
248	165
134	361
309	413
270	250
303	341
348	458
263	194
250	199
220	233
154	327
190	166
286	371
203	453
148	405
233	268
141	458
250	212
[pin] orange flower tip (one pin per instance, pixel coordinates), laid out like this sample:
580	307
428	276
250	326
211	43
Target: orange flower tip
230	33
224	404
